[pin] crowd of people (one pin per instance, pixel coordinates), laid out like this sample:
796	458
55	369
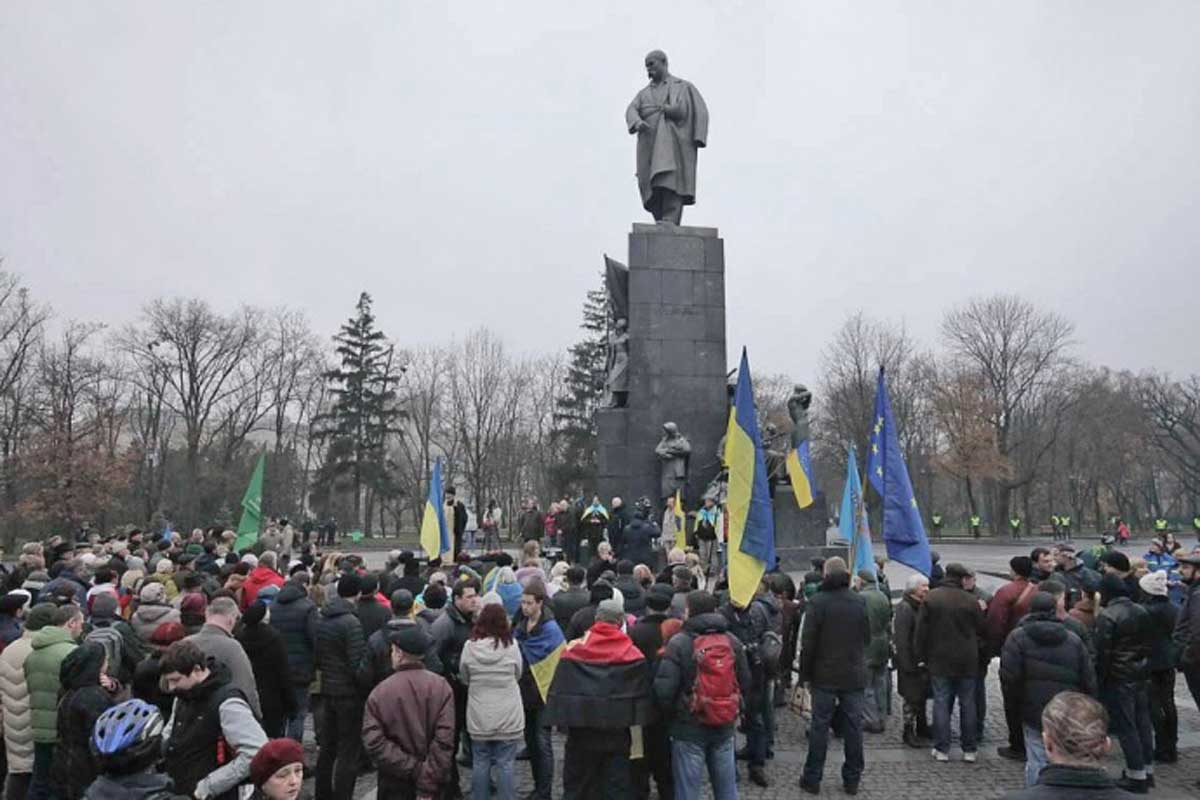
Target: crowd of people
164	665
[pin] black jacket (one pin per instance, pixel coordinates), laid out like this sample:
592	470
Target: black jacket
1059	782
646	633
340	648
636	543
295	616
378	664
749	625
371	614
450	632
1041	658
1163	615
146	685
567	602
616	528
950	627
82	702
267	652
634	594
834	637
1123	634
598	567
1187	629
676	673
912	679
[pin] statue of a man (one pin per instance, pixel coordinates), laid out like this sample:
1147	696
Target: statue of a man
671	123
616	382
673	451
797	406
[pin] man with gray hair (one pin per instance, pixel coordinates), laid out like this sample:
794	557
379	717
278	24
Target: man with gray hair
216	641
912	679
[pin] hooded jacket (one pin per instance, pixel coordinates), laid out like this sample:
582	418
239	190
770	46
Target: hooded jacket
676	674
1041	658
950	625
340	648
148	616
912	680
834	637
1163	615
408	729
295	616
491	671
258	579
14	691
51	645
83	701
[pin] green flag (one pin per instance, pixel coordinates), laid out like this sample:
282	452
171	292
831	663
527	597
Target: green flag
247	532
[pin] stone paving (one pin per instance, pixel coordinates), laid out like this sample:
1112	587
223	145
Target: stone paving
896	771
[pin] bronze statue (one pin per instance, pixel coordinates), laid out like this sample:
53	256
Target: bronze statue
616	382
797	407
673	451
671	123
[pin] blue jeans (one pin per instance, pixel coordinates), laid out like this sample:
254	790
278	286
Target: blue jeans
1035	755
498	754
689	760
945	692
294	728
876	697
825	702
541	753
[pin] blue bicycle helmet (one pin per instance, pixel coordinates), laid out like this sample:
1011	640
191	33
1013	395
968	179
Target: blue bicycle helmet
127	730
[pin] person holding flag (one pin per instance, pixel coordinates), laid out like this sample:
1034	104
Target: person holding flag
435	535
903	531
541	641
247	531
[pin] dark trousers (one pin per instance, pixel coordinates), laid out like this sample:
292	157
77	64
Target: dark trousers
849	702
16	785
1192	676
43	768
339	743
1128	707
570	546
656	763
541	753
756	725
1163	714
1012	718
595	775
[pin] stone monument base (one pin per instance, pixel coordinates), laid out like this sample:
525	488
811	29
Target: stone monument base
801	534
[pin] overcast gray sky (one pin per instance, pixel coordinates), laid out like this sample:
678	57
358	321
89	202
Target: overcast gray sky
467	163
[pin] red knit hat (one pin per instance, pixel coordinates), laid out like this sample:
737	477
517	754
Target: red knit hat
274	756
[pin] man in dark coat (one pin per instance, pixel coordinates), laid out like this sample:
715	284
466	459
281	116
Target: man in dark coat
750	624
371	614
637	540
86	694
1123	631
912	677
647	635
531	522
1187	625
339	653
295	616
630	589
833	662
450	632
1041	658
569	600
268	657
1163	714
950	625
456	516
1009	604
617	523
539	637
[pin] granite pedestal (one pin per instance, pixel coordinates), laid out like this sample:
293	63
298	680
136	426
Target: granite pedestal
802	534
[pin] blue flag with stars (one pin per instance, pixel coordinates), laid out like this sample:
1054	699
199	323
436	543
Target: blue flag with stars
903	531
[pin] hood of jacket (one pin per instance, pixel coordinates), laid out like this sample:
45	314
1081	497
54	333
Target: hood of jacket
290	593
1045	628
337	607
153	612
486	653
82	666
712	622
51	635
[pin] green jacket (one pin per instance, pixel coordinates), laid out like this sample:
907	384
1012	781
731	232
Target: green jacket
50	646
879	615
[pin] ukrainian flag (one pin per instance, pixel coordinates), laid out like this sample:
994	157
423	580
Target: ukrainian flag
541	652
751	518
680	522
799	469
435	536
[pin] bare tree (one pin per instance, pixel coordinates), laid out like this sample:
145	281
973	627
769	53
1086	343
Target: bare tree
1172	409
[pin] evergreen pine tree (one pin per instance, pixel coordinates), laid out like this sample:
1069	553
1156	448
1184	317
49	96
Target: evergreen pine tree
575	412
364	411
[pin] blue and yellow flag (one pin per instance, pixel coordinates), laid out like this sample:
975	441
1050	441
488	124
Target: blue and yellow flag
542	652
751	518
435	536
852	521
800	473
680	521
903	530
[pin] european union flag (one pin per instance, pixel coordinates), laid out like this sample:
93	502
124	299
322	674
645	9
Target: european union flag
748	503
903	531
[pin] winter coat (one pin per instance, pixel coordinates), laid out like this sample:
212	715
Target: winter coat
1187	629
14	691
377	664
1040	659
371	615
879	613
268	659
491	674
258	579
82	703
1163	615
137	786
912	679
1060	782
531	524
1123	635
149	616
146	685
1009	604
295	616
69	579
950	627
636	544
749	625
598	567
133	646
10	630
617	523
566	603
450	632
408	729
634	594
676	674
215	643
340	648
834	637
51	645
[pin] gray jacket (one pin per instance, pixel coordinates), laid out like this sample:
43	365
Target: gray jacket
225	649
243	734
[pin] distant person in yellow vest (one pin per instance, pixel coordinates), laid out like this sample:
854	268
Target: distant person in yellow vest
1054	526
1064	523
976	522
1014	526
935	520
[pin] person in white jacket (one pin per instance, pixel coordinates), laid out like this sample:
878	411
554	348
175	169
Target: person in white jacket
14	692
490	666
